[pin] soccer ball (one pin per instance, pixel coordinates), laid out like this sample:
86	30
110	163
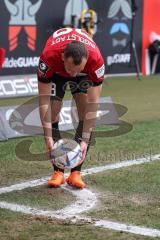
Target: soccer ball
66	154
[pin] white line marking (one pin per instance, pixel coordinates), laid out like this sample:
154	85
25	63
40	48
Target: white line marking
121	164
85	200
128	228
21	186
150	232
42	181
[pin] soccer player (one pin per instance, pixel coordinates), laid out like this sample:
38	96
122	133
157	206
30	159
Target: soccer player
71	57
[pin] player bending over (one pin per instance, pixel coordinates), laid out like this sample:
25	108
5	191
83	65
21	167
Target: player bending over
70	57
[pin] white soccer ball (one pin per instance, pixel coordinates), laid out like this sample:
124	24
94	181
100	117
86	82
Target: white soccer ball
66	154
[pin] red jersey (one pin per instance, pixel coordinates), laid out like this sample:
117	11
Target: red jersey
51	57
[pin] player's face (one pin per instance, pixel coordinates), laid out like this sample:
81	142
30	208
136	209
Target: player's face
73	69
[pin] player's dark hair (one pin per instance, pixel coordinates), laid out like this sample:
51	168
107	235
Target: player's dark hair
77	50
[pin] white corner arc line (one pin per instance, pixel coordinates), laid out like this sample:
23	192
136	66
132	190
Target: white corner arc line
98	223
150	232
85	200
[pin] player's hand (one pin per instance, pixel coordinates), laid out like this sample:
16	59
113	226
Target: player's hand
83	146
49	145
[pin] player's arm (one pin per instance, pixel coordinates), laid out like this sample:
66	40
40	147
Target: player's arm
44	107
91	110
93	95
45	88
90	116
45	112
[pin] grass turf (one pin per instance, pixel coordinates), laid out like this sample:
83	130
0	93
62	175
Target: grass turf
129	195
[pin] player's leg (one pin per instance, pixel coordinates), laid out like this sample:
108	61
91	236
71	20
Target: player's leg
80	97
58	91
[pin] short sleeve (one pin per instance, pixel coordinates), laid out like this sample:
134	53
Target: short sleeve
97	71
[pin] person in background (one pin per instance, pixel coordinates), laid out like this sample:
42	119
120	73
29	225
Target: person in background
70	57
89	21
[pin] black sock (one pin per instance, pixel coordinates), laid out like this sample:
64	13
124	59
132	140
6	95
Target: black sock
58	169
78	137
55	132
77	168
56	136
79	130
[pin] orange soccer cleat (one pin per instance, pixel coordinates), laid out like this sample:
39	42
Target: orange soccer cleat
75	180
57	179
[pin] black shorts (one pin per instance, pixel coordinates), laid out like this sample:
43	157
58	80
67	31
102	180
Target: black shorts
60	85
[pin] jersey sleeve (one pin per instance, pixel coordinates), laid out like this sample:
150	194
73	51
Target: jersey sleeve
45	69
97	70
